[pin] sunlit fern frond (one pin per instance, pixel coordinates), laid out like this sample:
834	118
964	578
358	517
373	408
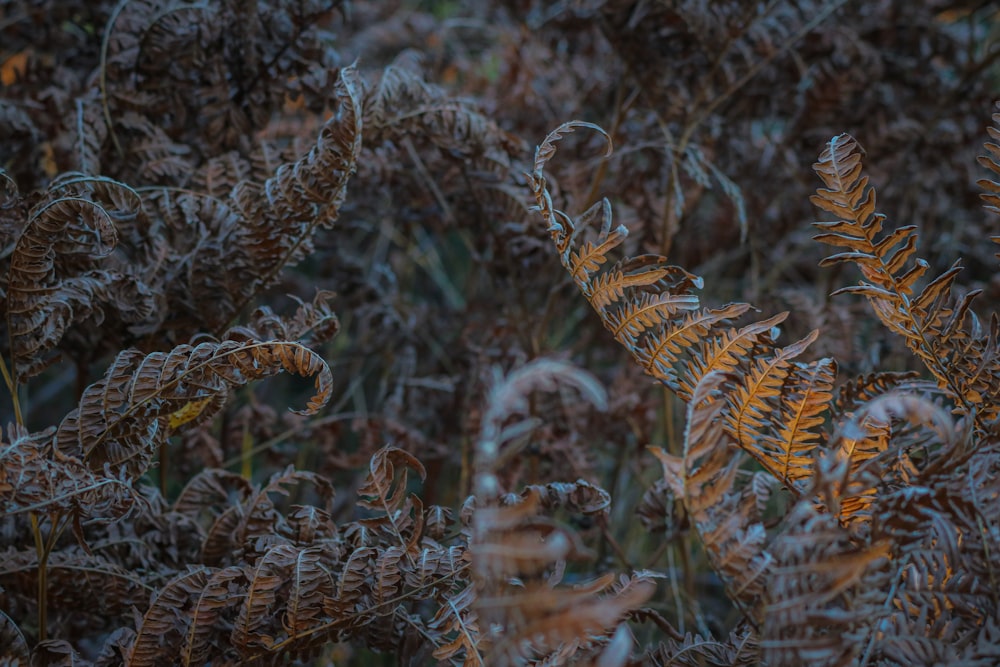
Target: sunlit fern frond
936	324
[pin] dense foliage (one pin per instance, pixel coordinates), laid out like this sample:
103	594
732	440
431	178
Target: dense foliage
296	317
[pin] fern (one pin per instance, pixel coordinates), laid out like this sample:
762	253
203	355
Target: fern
932	321
126	416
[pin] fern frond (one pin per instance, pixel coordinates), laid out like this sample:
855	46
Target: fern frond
636	316
211	609
269	578
802	410
123	418
704	478
754	406
660	351
302	196
51	288
161	631
33	480
934	323
858	391
724	352
823	594
458	617
991	161
739	649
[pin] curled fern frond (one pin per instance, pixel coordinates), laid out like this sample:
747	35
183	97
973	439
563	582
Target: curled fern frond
126	416
56	280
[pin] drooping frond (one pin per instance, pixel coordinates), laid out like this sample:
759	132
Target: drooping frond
56	280
126	416
704	478
278	218
648	306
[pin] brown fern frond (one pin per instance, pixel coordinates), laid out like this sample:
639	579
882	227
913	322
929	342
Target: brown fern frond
655	315
302	196
161	631
802	411
724	352
937	325
210	491
260	522
33	479
403	105
457	617
661	351
212	608
272	572
126	416
704	478
991	161
739	649
55	281
854	393
312	324
386	492
756	409
568	616
820	574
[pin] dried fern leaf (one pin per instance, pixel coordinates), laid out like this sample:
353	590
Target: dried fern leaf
312	324
991	161
856	392
660	352
725	352
646	304
823	593
123	418
386	493
162	628
216	601
274	222
457	618
795	424
49	290
268	580
704	478
937	326
209	491
740	649
33	480
755	411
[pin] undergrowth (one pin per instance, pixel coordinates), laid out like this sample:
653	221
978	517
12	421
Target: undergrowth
294	377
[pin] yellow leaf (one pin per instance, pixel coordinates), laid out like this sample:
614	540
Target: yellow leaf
189	412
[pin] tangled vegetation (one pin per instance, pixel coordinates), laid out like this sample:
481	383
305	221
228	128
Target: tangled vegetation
294	375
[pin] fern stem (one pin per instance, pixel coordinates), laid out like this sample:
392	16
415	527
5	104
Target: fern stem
12	388
41	595
43	548
103	82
